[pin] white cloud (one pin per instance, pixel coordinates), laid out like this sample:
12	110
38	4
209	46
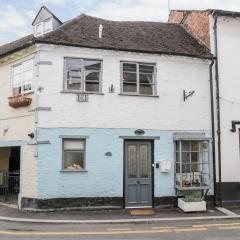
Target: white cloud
14	22
156	10
61	3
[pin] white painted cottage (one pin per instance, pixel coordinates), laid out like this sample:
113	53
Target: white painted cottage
98	113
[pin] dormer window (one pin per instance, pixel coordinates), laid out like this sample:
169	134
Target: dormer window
47	25
43	27
44	22
39	29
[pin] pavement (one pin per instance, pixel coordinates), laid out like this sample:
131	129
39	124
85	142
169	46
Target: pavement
113	216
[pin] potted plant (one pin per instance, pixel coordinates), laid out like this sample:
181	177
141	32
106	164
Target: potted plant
192	203
19	100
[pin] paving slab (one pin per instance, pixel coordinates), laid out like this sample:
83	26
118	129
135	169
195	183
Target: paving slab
101	214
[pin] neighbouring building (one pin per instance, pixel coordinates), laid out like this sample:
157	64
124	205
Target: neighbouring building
220	32
104	113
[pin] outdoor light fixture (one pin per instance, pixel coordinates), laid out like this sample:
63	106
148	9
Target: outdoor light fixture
31	135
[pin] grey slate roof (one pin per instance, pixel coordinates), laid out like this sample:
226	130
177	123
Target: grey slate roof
149	37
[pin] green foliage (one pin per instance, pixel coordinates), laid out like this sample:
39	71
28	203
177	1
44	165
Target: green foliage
193	198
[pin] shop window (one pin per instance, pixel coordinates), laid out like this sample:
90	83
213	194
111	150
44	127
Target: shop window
192	164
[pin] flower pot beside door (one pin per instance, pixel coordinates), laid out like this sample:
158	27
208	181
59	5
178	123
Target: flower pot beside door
19	101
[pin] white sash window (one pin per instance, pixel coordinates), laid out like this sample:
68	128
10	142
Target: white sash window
22	77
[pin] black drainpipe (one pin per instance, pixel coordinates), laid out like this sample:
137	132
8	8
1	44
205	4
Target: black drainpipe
213	128
219	187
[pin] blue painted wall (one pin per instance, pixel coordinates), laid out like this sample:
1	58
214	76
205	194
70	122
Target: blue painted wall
104	176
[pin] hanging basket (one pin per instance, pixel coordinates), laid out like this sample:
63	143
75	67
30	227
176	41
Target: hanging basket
19	101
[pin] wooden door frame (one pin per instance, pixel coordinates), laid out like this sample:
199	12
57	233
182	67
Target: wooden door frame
151	141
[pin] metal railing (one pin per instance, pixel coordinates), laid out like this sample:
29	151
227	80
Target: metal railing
9	186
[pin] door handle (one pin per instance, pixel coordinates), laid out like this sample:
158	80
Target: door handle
138	182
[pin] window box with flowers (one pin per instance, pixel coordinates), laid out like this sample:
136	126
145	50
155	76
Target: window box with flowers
19	100
22	75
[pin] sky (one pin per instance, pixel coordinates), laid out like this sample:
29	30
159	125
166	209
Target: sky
17	15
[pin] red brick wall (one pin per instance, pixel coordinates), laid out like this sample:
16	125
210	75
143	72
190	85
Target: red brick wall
195	22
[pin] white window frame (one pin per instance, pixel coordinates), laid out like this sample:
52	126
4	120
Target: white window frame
22	80
36	28
63	151
83	80
181	174
137	93
44	25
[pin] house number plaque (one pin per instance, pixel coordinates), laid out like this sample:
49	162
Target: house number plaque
82	97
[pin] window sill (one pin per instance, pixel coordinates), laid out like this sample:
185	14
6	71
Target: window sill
73	171
77	92
23	94
192	188
138	95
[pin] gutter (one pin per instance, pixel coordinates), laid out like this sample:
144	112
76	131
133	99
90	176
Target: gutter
213	130
219	188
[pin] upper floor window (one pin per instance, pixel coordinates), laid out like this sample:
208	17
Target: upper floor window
43	27
22	76
82	75
138	78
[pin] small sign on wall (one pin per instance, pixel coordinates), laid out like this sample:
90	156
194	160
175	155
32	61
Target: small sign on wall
165	166
81	97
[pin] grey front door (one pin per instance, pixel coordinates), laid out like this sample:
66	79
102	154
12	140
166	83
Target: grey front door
138	177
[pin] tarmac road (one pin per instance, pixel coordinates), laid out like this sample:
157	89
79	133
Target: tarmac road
192	230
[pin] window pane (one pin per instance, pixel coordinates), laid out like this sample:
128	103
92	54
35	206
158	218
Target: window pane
91	87
74	74
17	80
74	144
196	167
144	161
132	161
28	65
27	87
17	69
177	156
130	77
177	144
92	65
27	75
146	89
146	78
129	67
146	69
128	87
16	91
177	167
203	146
185	146
194	146
47	25
73	160
91	76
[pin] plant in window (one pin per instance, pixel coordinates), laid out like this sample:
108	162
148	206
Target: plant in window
192	164
73	154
